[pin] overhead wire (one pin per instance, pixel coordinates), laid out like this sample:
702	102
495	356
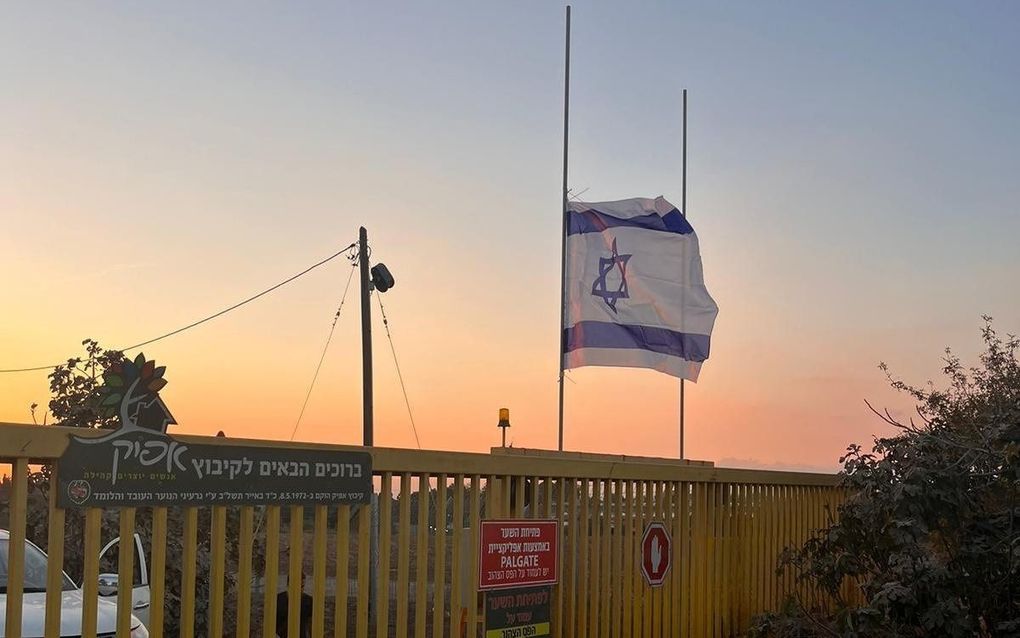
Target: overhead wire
400	377
209	318
318	367
322	357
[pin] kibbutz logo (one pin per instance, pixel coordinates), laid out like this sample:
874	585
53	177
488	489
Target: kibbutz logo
130	391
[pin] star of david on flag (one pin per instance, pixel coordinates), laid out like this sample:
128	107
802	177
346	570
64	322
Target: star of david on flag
601	288
635	290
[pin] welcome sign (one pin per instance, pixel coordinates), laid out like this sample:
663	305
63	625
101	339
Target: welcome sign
139	464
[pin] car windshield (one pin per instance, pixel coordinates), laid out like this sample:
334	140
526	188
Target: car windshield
35	569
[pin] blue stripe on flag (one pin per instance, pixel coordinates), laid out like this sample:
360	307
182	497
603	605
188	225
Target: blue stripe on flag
603	334
593	221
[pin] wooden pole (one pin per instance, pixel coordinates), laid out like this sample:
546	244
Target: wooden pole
367	409
366	336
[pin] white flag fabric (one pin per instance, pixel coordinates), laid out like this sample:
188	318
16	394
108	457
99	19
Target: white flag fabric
635	290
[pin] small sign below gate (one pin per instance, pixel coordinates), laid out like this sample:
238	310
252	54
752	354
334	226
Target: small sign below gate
656	553
515	553
517	613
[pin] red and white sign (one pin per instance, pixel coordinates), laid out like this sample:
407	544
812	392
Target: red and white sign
656	553
515	553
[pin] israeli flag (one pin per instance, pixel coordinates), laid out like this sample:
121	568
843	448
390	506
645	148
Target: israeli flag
635	291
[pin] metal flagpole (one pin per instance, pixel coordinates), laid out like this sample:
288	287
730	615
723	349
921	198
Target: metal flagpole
563	234
683	211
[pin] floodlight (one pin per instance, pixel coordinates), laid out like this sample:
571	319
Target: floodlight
381	278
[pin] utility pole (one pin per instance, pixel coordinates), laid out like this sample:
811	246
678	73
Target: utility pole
366	389
366	336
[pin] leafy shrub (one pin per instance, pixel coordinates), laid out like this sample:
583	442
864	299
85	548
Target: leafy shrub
929	537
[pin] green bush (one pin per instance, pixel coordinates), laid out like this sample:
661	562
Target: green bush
929	538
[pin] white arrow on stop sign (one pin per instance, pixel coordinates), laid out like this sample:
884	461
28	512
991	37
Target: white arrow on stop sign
656	553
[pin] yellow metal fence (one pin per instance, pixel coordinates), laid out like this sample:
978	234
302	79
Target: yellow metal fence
727	526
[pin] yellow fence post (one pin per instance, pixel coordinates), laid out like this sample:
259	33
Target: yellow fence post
364	564
653	594
272	571
664	598
627	531
594	543
90	572
421	558
571	560
319	547
55	559
343	570
472	585
189	573
605	509
439	567
726	558
403	553
158	581
616	595
125	571
559	591
244	557
456	583
16	547
583	549
699	560
647	595
677	595
382	607
217	568
295	564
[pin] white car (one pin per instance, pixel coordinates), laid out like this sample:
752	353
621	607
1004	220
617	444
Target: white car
33	609
140	594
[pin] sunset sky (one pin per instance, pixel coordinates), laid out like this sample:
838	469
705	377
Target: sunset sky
852	178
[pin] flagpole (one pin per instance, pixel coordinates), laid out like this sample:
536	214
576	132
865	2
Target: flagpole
563	233
683	211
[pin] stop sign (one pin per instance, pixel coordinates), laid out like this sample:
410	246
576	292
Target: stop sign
656	553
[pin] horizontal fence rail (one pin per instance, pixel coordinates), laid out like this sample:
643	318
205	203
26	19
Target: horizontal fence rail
240	570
